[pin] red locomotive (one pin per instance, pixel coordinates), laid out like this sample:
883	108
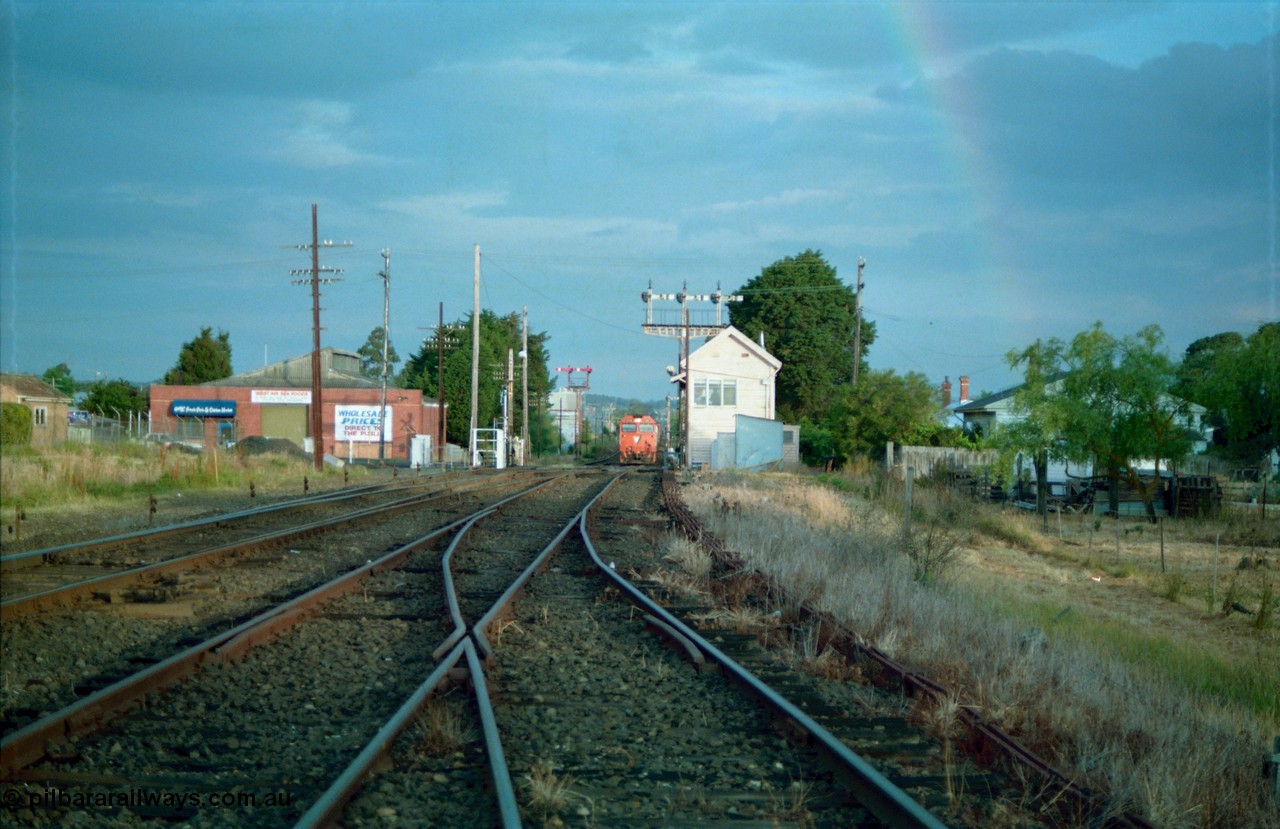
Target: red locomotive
638	439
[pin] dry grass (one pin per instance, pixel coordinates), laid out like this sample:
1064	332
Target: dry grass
1104	663
547	793
688	556
442	728
77	475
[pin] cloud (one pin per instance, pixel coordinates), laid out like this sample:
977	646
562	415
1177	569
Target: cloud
321	138
159	196
787	198
1088	132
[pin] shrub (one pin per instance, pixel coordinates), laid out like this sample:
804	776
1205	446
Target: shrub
15	424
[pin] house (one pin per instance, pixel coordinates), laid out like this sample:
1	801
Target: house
990	411
49	407
275	402
728	376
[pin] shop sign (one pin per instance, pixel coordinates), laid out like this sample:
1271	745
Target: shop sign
297	397
360	423
204	408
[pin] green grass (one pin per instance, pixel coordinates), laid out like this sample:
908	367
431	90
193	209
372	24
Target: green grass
1254	684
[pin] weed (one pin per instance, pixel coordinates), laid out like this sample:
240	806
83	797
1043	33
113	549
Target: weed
1266	607
792	805
1174	584
548	792
441	728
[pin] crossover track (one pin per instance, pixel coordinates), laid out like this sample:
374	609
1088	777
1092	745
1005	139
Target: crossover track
509	624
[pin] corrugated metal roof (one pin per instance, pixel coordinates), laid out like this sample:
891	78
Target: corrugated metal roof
339	369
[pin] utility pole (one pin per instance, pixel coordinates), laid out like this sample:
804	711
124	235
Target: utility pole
475	357
386	338
443	336
524	395
507	415
314	280
440	382
857	324
683	298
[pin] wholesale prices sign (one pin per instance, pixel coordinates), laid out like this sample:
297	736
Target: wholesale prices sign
360	423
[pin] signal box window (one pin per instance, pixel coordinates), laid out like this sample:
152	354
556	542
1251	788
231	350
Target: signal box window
715	392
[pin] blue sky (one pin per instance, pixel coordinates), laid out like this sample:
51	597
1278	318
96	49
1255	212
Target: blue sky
1009	171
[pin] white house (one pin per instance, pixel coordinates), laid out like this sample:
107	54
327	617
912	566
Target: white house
729	375
996	409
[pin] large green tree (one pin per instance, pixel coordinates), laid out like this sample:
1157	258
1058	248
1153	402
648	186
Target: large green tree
497	336
1238	380
1113	406
807	317
1037	425
371	356
60	378
115	398
883	407
202	359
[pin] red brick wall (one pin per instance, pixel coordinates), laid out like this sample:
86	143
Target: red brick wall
409	416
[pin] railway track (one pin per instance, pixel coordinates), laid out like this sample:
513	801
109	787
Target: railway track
82	637
358	702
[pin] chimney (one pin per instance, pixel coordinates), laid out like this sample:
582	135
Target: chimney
946	392
964	388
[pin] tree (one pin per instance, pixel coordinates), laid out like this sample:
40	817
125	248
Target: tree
15	424
1112	405
1037	427
1236	379
60	378
115	398
371	356
203	359
883	407
807	317
497	336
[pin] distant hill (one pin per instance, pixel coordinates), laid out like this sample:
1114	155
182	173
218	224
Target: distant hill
603	411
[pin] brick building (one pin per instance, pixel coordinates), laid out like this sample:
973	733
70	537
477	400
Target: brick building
275	402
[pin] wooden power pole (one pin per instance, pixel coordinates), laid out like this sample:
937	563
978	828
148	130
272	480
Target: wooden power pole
314	279
857	323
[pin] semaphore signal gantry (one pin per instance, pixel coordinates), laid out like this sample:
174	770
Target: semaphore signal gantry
680	324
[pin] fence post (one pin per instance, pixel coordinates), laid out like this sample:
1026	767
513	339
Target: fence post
906	521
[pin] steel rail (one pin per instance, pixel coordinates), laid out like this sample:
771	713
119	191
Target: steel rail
157	533
847	644
28	744
30	603
328	807
450	593
479	631
876	792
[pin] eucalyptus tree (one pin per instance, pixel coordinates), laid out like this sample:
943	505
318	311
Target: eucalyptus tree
1110	405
